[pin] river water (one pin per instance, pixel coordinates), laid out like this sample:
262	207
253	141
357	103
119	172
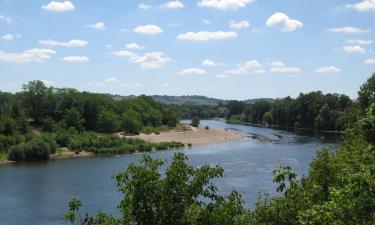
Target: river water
38	193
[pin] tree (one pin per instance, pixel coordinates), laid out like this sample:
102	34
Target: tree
35	93
73	119
195	121
183	196
322	120
48	124
131	122
108	122
366	94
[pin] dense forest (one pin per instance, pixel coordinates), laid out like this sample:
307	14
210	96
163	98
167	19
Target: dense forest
315	110
339	188
40	119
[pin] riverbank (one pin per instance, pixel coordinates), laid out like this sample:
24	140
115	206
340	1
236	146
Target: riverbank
197	136
285	128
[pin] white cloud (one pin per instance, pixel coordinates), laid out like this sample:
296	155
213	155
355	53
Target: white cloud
205	36
280	67
173	5
208	62
283	22
206	21
366	5
59	6
252	66
165	84
359	42
225	4
134	46
327	69
8	37
348	30
31	55
112	80
150	60
239	25
355	49
70	44
221	76
192	71
369	61
148	29
76	59
144	6
6	19
97	26
277	64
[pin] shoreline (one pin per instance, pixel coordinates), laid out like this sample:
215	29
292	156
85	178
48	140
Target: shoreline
196	137
285	128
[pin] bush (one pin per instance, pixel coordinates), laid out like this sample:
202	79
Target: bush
36	149
48	124
62	139
195	121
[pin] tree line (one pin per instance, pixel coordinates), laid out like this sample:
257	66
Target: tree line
338	189
314	110
40	119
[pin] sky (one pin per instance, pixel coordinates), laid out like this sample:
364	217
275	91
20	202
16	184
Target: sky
228	49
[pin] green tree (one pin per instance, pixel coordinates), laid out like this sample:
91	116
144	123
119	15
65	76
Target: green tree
73	119
183	196
36	93
108	122
366	94
195	121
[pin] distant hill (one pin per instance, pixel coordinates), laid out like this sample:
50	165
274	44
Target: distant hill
190	99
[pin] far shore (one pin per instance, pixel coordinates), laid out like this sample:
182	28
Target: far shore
195	136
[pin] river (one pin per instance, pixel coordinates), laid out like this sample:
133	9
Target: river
38	193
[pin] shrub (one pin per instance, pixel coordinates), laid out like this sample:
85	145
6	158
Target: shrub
62	139
17	152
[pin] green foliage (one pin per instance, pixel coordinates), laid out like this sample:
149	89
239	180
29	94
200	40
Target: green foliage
183	196
108	122
73	119
35	149
195	121
48	124
366	94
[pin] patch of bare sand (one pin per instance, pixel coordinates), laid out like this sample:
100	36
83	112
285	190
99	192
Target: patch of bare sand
197	136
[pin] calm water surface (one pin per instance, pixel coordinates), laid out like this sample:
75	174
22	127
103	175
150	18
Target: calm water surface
38	193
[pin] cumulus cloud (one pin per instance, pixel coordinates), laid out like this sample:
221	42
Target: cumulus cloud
59	6
369	61
355	49
112	80
209	63
173	5
6	19
206	35
70	44
148	29
144	6
134	46
150	60
348	30
31	55
359	42
97	26
283	22
193	71
225	4
239	25
280	67
252	66
7	37
366	5
206	21
76	59
327	69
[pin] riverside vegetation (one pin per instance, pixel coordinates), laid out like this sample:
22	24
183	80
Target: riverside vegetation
40	120
339	188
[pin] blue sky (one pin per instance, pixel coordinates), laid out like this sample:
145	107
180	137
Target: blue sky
230	49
